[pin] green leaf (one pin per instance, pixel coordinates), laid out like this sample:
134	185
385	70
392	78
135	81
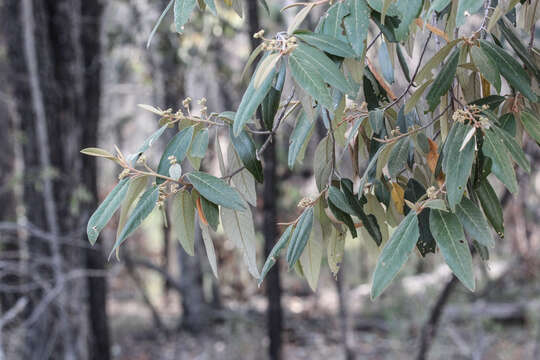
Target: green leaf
322	162
502	166
335	250
321	64
274	253
474	222
426	72
211	5
449	235
144	207
209	247
333	23
344	218
211	212
136	188
92	151
216	190
398	157
486	66
183	219
266	67
510	69
395	253
491	206
408	11
299	18
371	165
513	148
200	144
300	237
264	5
299	137
106	210
270	104
518	47
177	147
311	257
251	100
387	67
415	97
147	144
338	198
243	181
160	20
239	228
380	5
245	148
357	25
467	7
327	43
531	123
182	13
443	81
457	163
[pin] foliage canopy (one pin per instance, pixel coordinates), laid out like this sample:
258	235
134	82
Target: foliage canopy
420	161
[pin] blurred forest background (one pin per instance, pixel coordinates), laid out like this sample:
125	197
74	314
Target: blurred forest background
72	74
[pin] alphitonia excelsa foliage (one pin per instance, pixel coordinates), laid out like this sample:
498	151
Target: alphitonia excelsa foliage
422	159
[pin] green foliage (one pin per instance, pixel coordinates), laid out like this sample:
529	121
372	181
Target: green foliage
420	154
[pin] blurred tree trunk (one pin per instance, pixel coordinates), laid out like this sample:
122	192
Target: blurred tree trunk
54	52
274	313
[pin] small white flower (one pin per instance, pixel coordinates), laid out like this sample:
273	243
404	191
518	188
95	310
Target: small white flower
175	171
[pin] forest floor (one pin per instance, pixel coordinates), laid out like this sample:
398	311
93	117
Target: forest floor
491	324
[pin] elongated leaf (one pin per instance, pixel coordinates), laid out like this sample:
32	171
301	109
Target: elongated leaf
299	137
518	47
210	211
251	100
161	17
502	167
144	207
322	163
177	147
209	247
245	148
200	144
270	104
486	66
443	81
510	69
413	100
344	218
457	163
333	23
513	148
274	253
239	227
147	144
136	188
491	206
398	157
531	123
426	72
338	198
327	43
183	219
329	71
408	11
357	25
467	8
387	67
266	67
182	13
395	253
299	18
449	235
300	237
106	210
311	257
243	181
335	250
211	5
371	166
474	222
216	190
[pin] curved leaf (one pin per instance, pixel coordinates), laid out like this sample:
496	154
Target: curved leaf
300	237
182	13
183	219
245	148
274	253
177	147
216	190
474	222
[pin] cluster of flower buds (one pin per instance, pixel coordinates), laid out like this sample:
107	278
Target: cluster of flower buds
142	159
282	42
204	108
172	159
472	114
162	196
305	202
432	192
187	102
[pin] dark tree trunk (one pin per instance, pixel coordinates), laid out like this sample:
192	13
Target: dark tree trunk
54	52
274	314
